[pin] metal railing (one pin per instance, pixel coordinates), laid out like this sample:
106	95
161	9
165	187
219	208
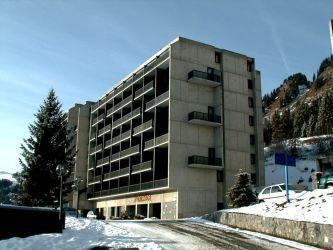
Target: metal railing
135	187
104	130
157	100
94	179
157	61
143	127
142	90
204	75
115	156
161	139
129	151
204	117
128	82
124	171
123	189
143	166
147	185
94	107
108	143
195	159
121	137
150	143
161	183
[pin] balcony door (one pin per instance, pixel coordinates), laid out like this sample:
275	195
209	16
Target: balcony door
211	113
211	156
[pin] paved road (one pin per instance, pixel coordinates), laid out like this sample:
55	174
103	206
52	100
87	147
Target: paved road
197	235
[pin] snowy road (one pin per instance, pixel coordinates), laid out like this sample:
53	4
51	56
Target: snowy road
153	235
191	234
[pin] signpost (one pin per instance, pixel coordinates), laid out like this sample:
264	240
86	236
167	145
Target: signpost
286	160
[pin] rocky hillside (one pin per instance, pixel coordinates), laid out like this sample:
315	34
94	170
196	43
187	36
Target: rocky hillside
300	107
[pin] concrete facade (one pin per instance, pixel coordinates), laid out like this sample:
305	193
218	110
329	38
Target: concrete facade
78	118
169	138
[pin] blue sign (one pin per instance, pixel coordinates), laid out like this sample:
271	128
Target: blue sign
282	159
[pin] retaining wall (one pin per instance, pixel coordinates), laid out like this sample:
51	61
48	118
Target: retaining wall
319	235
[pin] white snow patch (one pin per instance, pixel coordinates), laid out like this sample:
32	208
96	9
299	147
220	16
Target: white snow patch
315	206
82	234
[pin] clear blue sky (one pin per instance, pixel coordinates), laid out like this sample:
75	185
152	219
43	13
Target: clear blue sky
81	48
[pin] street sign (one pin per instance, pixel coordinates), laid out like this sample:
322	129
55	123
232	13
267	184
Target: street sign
286	160
282	159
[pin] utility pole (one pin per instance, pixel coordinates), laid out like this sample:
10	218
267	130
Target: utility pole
60	170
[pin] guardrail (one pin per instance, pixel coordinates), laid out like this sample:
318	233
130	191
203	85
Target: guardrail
204	117
195	159
143	166
204	75
157	100
143	127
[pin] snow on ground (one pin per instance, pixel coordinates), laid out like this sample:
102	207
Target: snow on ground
315	206
82	234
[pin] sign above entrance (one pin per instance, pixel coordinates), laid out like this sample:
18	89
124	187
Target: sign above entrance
142	198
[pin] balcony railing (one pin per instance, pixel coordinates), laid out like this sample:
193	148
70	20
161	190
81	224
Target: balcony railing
132	150
103	161
108	143
195	115
143	127
126	117
94	107
147	185
157	61
204	75
121	137
156	142
104	130
128	82
202	160
144	89
97	148
123	189
161	183
143	166
135	187
115	156
116	174
95	179
159	99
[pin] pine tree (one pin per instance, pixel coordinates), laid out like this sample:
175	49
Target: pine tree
277	132
325	115
42	152
267	132
286	125
240	193
301	120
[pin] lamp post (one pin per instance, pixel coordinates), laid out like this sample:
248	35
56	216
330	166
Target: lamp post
60	171
76	187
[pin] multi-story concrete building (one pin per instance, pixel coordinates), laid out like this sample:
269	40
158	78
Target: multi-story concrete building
78	120
169	138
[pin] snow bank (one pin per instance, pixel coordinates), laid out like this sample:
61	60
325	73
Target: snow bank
82	234
315	206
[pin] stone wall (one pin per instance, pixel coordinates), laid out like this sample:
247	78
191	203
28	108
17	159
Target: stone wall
319	235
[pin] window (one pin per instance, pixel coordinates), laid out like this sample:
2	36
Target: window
252	139
219	175
249	66
253	178
217	57
211	153
276	189
267	190
249	84
251	120
250	102
253	158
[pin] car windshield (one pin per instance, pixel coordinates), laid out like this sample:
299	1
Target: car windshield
328	172
289	187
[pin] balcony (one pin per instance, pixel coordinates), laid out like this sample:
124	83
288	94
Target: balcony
104	130
154	63
126	118
143	127
108	144
102	162
203	78
119	105
119	138
145	89
92	136
94	180
160	141
200	118
116	174
161	100
196	161
125	153
161	183
94	107
98	148
141	167
97	120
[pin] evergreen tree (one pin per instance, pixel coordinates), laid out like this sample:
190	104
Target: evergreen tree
42	152
325	115
267	132
240	194
286	125
277	132
301	120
